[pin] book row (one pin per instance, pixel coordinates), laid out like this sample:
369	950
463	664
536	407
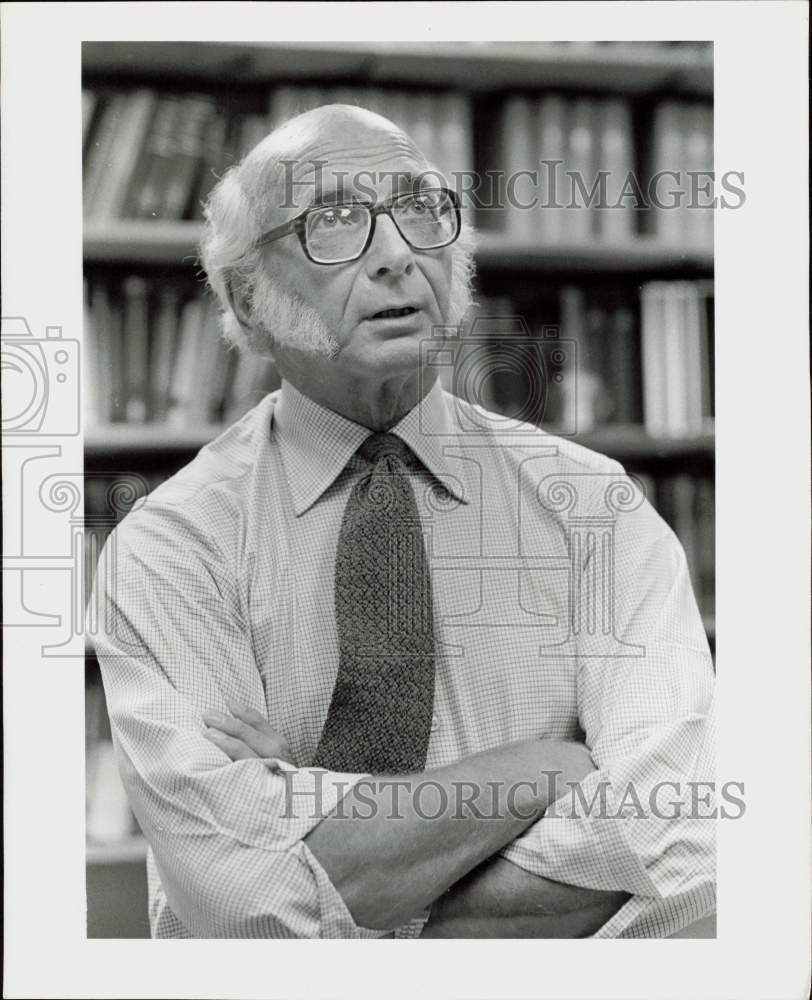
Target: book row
154	354
582	169
598	356
677	347
150	155
550	169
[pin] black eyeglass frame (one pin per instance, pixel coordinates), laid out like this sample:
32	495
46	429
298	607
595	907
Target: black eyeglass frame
299	224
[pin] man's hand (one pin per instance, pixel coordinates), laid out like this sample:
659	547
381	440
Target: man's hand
245	734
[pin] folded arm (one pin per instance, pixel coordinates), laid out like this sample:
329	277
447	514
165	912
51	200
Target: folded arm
396	843
500	900
242	845
645	698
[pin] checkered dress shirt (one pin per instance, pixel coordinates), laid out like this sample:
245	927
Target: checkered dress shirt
563	609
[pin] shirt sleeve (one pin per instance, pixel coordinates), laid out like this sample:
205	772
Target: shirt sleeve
642	822
227	837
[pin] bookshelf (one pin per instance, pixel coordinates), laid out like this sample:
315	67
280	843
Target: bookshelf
641	68
131	241
587	283
625	443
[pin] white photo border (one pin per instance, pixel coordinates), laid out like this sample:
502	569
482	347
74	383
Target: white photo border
762	481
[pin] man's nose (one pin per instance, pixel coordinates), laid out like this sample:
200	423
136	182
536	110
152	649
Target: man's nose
389	255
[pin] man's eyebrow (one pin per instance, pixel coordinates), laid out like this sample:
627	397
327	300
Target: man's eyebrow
343	194
337	196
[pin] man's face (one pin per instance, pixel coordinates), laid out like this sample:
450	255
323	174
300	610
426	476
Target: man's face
355	158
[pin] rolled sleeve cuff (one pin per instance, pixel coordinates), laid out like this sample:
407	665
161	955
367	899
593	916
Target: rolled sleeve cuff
311	794
335	920
588	851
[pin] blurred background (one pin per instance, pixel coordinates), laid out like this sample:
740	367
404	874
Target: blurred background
610	309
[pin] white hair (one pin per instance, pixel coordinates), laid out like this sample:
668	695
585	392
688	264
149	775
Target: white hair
279	318
235	217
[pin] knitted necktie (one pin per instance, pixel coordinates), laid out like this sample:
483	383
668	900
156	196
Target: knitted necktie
380	714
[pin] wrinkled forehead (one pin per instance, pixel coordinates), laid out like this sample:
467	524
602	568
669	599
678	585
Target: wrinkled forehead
354	163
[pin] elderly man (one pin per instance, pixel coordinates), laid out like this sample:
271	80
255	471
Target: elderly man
378	666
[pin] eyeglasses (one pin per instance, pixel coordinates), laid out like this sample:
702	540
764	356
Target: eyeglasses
337	234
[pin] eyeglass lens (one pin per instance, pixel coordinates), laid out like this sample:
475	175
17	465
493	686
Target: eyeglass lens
426	219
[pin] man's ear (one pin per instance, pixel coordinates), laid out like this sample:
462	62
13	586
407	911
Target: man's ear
238	300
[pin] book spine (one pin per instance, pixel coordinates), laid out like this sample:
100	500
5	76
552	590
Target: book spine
136	121
580	167
136	342
563	385
653	356
91	390
675	388
669	174
595	400
163	355
699	168
106	316
691	332
223	383
616	157
685	522
194	115
624	373
101	152
183	387
706	546
519	152
706	351
200	403
148	200
551	156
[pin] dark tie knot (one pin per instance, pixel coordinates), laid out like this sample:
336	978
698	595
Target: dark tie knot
378	447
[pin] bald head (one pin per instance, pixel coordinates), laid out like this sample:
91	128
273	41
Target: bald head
337	148
333	128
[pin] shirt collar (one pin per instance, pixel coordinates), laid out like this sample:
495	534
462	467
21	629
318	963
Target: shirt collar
317	443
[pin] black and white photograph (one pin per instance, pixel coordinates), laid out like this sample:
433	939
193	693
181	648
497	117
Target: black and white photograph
367	512
407	352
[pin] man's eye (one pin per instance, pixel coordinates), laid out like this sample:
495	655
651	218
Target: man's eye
423	205
334	218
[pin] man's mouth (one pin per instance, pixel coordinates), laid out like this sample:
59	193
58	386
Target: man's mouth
394	313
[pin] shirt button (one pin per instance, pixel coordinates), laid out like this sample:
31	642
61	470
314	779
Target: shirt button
435	723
